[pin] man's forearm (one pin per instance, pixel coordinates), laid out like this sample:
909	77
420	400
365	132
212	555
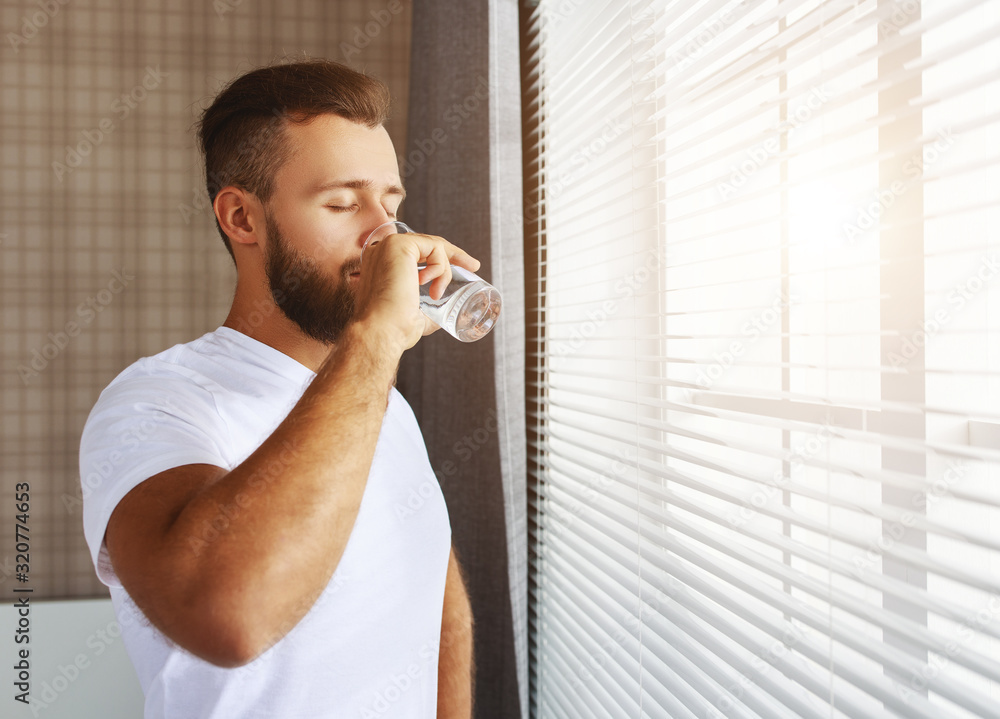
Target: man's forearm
456	665
283	516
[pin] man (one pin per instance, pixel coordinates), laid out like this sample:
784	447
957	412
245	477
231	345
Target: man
251	513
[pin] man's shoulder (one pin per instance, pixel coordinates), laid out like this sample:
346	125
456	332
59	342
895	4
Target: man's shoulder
184	363
183	379
223	371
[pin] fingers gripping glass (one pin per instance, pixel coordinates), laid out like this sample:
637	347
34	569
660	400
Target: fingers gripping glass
469	307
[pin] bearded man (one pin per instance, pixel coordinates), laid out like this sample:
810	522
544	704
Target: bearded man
246	516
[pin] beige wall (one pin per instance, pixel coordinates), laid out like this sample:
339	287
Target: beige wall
123	245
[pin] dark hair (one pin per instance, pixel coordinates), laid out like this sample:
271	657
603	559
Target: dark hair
242	132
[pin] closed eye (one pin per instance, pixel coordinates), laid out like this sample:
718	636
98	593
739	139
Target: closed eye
340	208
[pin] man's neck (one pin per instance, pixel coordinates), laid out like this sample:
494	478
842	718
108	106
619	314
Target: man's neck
265	322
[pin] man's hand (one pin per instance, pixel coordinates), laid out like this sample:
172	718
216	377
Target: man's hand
388	294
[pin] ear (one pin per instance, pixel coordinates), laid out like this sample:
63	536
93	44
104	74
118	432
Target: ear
240	216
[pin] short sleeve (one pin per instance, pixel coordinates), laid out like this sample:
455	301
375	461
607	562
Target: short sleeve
142	425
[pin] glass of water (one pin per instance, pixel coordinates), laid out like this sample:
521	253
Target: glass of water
469	307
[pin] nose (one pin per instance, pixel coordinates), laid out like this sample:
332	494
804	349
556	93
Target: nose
375	219
382	215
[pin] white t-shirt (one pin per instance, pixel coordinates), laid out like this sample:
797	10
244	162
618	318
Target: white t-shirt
368	647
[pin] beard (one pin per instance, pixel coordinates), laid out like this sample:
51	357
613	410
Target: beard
321	305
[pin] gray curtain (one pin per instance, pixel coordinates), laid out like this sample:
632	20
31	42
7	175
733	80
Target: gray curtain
462	171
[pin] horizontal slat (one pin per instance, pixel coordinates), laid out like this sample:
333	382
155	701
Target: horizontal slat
910	518
840	412
729	679
886	584
696	666
771	628
878	476
712	405
614	697
933	489
875	616
778	512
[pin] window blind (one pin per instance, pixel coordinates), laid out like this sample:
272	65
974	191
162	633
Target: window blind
765	339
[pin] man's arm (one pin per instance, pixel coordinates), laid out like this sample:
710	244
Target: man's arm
226	563
456	666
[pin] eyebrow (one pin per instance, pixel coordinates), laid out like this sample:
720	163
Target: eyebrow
360	185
